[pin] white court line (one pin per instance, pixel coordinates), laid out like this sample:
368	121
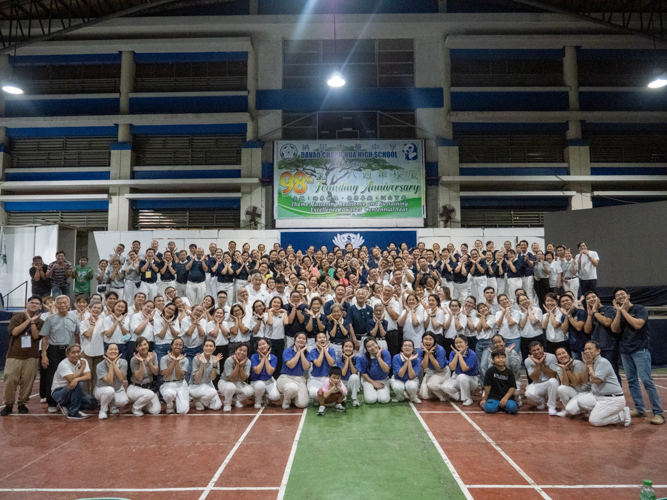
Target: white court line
505	456
138	490
211	484
48	453
290	460
561	486
32	396
477	411
661	387
165	415
443	455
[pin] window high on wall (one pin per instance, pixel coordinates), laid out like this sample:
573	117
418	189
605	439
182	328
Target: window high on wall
349	125
364	63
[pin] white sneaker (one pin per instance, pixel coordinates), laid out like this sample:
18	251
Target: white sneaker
137	413
170	408
103	415
562	413
258	405
417	400
199	406
355	403
394	400
227	408
286	406
540	407
53	409
115	411
238	404
553	412
627	417
43	400
467	402
518	401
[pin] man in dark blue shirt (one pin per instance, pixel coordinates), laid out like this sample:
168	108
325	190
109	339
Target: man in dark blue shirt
181	272
360	315
631	321
598	326
197	269
574	320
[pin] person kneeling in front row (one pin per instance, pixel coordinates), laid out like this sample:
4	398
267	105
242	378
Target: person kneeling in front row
541	368
234	382
374	367
67	389
143	369
175	389
464	379
292	381
205	366
499	386
606	401
109	390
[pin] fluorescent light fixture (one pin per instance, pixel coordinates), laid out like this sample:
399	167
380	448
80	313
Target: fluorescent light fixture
659	79
12	88
336	80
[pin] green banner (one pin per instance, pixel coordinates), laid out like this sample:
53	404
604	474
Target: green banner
381	179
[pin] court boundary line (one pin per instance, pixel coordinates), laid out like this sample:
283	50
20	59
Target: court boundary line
290	460
562	486
443	455
229	456
163	415
516	467
49	452
137	490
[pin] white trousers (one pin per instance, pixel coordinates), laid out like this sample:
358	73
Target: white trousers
373	395
513	284
206	395
477	286
502	285
565	394
227	287
131	290
352	384
177	392
405	390
461	291
163	285
195	292
571	285
181	289
431	387
151	290
528	283
294	390
228	390
143	398
493	283
604	410
538	391
108	397
314	384
211	285
460	387
268	387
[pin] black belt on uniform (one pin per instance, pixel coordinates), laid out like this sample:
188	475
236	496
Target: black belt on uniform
613	396
143	386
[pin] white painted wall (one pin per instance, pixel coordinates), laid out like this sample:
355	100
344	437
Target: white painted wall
444	236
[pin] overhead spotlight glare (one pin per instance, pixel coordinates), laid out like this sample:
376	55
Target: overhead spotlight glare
12	89
336	80
658	82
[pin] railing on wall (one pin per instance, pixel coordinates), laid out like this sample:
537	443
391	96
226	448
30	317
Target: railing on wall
5	298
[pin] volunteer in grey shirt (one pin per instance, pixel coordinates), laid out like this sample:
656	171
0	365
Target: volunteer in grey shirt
569	372
541	368
59	331
205	367
175	388
236	377
143	369
109	390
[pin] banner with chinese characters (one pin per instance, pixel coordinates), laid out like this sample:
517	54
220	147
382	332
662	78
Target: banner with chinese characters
350	179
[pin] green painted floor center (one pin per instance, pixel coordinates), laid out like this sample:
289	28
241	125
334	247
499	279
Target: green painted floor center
371	452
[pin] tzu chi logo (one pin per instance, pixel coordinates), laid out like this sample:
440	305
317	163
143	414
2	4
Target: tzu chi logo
288	152
343	239
410	151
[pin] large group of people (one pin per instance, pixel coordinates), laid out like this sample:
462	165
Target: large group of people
250	326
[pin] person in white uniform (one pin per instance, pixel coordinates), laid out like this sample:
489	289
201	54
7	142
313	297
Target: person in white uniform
143	369
109	390
205	366
541	368
435	367
234	380
606	401
569	372
175	390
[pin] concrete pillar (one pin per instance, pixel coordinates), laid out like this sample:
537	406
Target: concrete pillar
446	65
252	130
119	209
253	7
5	71
251	167
571	80
442	6
449	192
578	157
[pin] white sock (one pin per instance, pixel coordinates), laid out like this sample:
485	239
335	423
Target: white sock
321	408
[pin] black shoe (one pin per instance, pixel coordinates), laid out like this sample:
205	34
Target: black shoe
6	411
23	410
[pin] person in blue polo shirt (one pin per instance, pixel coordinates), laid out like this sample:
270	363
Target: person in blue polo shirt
464	379
180	266
527	276
322	358
292	381
295	317
347	362
360	316
573	325
406	365
149	269
263	365
436	369
224	273
631	321
197	269
460	277
374	368
513	268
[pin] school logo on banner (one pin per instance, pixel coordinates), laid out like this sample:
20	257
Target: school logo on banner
341	240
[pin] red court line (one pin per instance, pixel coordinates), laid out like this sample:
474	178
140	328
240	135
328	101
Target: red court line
270	437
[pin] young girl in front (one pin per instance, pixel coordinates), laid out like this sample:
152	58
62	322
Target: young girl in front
323	357
263	365
175	390
436	369
347	362
374	367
